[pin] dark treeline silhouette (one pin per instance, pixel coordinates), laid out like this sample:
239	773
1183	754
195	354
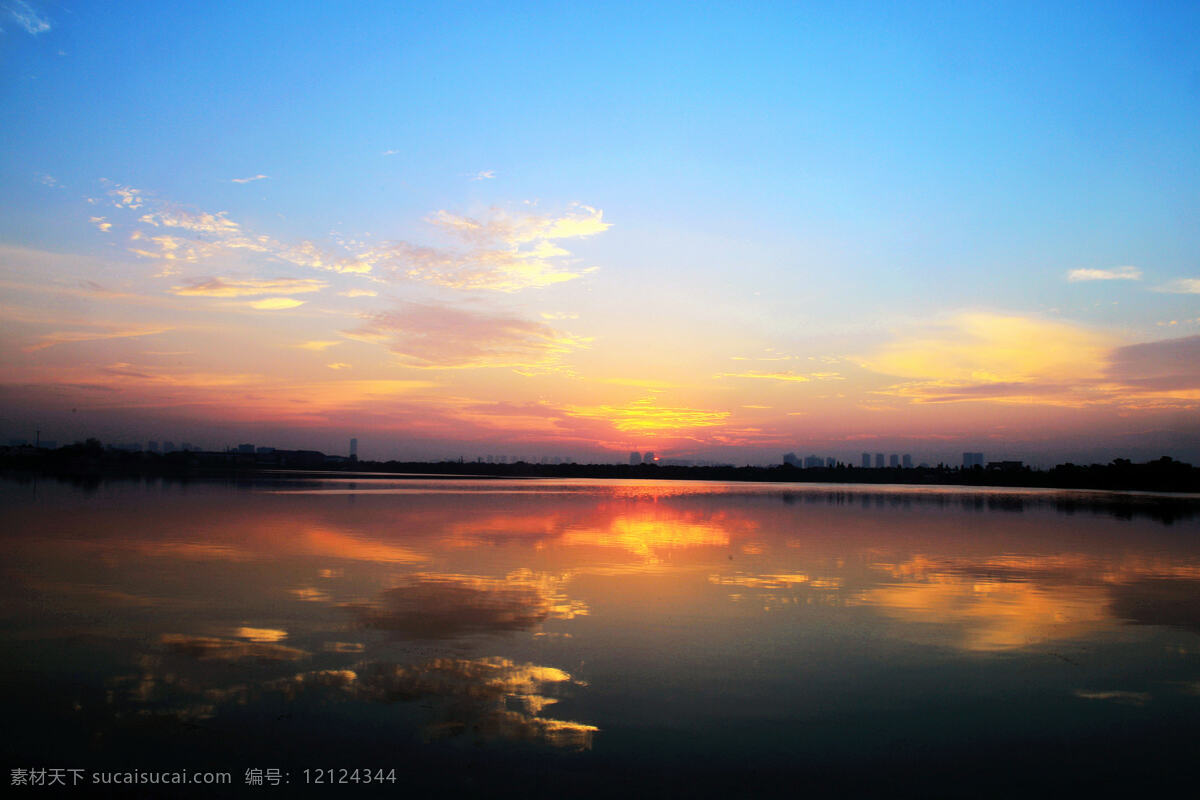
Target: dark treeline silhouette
91	458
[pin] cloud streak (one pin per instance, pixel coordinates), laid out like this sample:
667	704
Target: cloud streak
1181	286
1115	274
218	287
27	17
68	337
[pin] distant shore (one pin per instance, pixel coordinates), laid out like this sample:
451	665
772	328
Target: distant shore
89	461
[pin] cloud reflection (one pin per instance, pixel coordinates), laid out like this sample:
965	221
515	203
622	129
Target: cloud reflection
440	606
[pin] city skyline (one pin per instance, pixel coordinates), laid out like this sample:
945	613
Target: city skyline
716	236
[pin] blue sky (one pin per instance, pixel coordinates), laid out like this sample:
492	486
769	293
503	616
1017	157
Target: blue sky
820	179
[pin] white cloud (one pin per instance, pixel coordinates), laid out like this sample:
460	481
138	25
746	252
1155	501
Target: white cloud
1181	286
47	180
126	196
101	224
201	222
251	179
484	175
27	17
359	293
1114	274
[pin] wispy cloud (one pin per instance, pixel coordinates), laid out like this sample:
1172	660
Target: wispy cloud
1181	286
359	293
504	252
1114	274
218	287
251	179
484	175
100	223
390	152
339	365
27	17
319	346
786	376
200	223
67	337
47	180
555	315
276	303
442	337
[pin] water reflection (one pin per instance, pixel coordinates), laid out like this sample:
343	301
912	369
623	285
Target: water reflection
588	617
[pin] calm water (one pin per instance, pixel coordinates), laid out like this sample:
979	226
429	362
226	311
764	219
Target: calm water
543	637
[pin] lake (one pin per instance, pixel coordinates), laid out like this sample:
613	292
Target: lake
538	637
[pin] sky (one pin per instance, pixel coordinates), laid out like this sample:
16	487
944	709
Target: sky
717	231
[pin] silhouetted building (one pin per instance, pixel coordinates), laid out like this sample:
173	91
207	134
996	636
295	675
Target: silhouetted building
168	446
1005	465
792	459
879	461
264	450
152	446
907	461
649	457
245	448
635	458
813	461
893	460
354	449
866	460
972	459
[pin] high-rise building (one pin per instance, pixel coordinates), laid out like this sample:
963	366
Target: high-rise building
168	446
245	448
792	459
972	459
866	460
649	457
813	461
831	462
353	449
893	460
635	458
907	460
879	461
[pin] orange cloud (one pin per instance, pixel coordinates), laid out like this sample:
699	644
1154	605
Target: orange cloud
647	417
218	287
